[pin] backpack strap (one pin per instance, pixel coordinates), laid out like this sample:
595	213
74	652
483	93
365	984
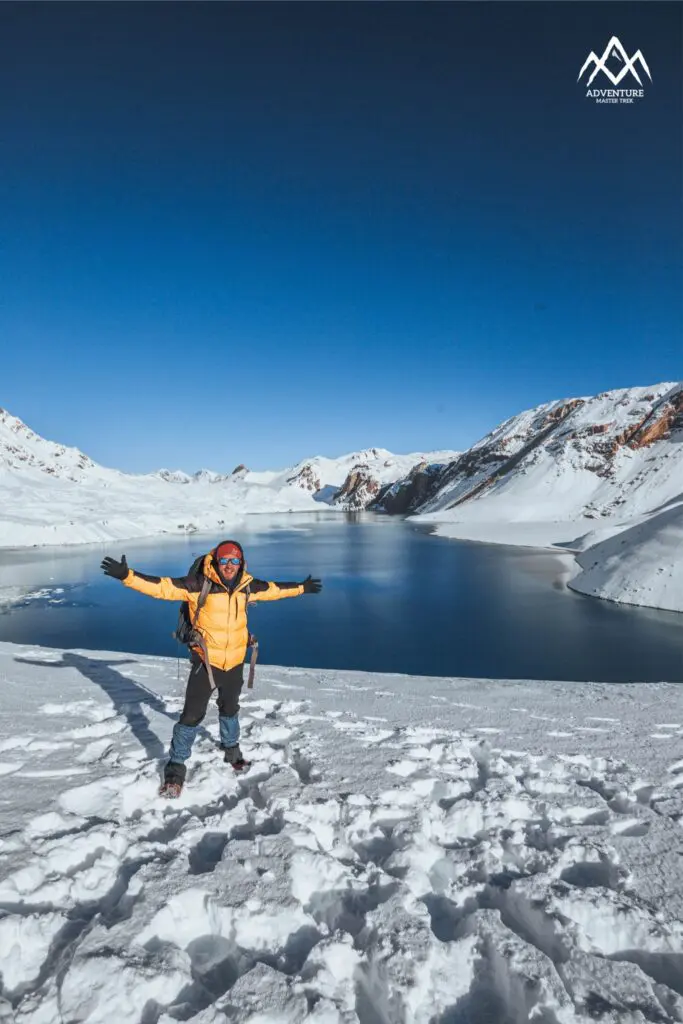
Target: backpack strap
203	594
253	643
252	664
197	637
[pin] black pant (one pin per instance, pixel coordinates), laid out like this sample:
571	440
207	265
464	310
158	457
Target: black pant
198	692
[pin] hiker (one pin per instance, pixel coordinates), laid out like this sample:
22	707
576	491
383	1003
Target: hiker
218	642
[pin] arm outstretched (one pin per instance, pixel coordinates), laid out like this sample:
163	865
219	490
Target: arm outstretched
165	588
269	590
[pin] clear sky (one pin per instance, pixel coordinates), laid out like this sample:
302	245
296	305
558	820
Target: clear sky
258	232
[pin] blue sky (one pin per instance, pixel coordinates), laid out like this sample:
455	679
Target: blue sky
253	233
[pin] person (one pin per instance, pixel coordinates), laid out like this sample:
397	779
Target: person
222	637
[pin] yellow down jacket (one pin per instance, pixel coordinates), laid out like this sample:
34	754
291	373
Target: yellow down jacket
222	621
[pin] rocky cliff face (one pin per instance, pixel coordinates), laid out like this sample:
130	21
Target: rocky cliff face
407	495
390	482
354	481
359	489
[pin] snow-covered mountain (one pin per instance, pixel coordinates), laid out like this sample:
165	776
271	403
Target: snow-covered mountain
24	452
354	481
369	476
582	457
50	494
326	477
202	476
351	481
575	472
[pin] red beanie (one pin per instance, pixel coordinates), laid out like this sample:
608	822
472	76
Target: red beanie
228	550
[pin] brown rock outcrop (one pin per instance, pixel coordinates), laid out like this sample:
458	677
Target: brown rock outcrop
656	426
306	479
562	411
359	489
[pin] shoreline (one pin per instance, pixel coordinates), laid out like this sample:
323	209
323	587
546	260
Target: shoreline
543	537
568	566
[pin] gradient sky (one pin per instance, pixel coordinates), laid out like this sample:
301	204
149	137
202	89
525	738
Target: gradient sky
258	232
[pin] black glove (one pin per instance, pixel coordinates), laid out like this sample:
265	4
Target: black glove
312	586
119	570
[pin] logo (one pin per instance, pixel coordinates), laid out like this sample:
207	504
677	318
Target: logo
624	64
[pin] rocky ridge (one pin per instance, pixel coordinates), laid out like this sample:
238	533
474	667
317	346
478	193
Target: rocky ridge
590	436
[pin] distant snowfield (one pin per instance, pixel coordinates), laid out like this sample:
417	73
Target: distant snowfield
405	850
44	511
54	495
98	504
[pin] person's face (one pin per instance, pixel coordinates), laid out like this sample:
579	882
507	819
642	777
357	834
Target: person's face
229	567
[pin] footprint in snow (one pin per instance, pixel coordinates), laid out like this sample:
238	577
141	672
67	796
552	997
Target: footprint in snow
630	828
404	768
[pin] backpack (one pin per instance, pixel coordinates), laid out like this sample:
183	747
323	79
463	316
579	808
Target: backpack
185	629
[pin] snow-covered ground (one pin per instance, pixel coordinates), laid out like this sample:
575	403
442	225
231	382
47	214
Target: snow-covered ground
403	850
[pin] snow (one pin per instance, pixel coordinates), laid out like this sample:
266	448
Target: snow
552	478
18	597
641	564
406	850
53	495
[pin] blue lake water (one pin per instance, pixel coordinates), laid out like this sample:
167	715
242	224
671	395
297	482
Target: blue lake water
395	599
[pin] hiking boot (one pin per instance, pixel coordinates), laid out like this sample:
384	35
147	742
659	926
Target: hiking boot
174	780
171	790
233	756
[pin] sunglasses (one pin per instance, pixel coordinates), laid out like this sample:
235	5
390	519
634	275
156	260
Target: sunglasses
229	561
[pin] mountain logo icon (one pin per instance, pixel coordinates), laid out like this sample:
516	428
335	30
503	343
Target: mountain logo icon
615	50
